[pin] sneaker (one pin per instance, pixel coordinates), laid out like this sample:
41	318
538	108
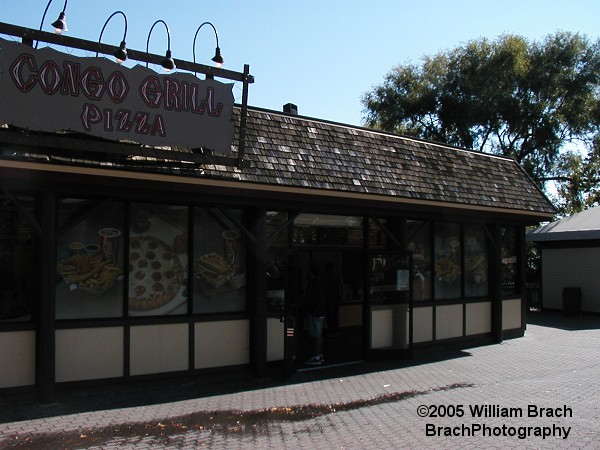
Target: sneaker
315	360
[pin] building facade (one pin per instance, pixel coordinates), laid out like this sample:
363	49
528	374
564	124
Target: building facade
122	262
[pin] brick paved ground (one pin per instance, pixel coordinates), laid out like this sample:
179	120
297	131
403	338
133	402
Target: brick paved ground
556	365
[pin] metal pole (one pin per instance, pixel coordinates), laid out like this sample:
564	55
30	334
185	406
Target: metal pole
244	114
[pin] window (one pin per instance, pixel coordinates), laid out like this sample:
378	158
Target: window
476	261
447	248
323	229
510	261
277	261
377	237
419	243
17	259
277	229
219	261
389	278
158	260
89	259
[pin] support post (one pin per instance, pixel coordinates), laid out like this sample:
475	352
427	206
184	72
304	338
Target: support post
496	286
45	336
522	279
244	113
257	291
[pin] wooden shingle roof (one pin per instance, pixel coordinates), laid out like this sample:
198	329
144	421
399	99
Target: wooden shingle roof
295	151
287	153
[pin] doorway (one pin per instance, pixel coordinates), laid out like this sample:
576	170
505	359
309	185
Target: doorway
343	331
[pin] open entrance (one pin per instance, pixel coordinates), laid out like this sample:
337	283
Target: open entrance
366	305
330	294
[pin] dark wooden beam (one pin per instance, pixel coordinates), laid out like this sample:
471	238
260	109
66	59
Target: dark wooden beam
29	35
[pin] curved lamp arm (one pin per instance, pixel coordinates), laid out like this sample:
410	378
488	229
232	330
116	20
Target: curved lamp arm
168	64
121	53
59	24
218	59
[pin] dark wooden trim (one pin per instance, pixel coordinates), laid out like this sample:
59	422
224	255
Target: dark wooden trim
256	291
522	264
45	336
191	345
126	351
495	263
85	147
122	181
433	324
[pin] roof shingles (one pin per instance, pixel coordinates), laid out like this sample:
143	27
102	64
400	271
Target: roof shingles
295	151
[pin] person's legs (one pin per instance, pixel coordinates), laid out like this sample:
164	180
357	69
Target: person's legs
315	331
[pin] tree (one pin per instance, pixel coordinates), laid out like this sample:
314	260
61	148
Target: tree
509	97
577	180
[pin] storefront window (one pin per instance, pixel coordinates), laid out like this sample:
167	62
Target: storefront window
510	261
89	259
377	238
17	259
419	243
219	261
277	261
476	262
447	247
158	260
277	229
323	229
389	278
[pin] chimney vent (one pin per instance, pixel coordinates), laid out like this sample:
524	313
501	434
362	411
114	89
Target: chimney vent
291	109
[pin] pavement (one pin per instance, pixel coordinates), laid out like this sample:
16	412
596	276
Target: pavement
539	391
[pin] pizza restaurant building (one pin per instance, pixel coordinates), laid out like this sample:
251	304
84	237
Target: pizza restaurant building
122	260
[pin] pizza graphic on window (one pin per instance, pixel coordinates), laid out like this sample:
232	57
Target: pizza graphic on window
155	273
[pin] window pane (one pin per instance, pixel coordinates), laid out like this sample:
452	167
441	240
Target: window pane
89	259
377	238
419	243
277	229
389	278
476	262
219	262
447	261
158	259
510	262
323	229
17	259
277	261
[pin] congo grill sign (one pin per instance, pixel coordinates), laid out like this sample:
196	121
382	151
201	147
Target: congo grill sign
46	90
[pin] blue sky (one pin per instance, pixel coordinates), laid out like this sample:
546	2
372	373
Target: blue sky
321	55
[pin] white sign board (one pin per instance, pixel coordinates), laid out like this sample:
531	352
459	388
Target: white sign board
46	90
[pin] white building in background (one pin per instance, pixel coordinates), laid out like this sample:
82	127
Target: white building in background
570	250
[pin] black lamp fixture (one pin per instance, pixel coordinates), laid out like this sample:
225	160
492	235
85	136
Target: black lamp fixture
121	53
217	59
168	64
60	24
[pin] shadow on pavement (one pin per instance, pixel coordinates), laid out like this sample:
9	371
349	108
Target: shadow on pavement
22	404
560	320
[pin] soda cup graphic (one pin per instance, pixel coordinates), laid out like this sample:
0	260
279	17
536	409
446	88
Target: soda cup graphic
230	239
109	244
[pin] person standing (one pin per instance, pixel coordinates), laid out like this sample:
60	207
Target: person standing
316	308
333	292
